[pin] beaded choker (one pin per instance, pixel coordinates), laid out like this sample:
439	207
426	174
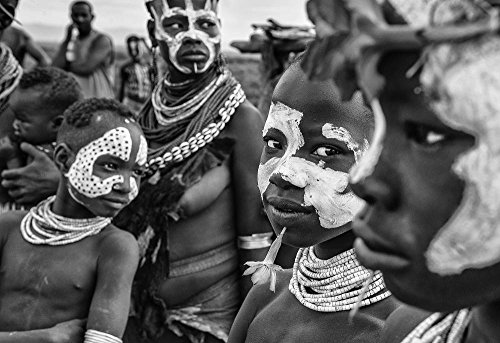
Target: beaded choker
440	327
335	284
42	226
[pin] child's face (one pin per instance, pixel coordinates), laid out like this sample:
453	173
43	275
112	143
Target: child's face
414	194
105	174
311	143
33	122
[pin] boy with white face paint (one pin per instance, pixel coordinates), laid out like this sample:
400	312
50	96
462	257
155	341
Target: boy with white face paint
64	260
312	140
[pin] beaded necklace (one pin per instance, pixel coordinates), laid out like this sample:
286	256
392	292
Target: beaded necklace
335	284
42	226
440	327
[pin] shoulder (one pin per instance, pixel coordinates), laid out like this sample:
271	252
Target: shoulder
401	322
9	222
117	243
248	113
102	39
261	295
246	123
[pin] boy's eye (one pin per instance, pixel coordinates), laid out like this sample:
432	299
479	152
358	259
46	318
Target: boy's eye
424	135
110	166
326	151
273	144
140	172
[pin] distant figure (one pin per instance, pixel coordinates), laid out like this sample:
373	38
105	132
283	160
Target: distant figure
136	75
38	104
21	43
87	53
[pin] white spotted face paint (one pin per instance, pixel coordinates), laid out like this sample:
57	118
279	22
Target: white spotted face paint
116	142
197	21
324	188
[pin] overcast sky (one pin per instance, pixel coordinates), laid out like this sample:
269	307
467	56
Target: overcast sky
45	19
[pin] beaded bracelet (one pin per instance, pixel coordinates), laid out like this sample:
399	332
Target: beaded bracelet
94	336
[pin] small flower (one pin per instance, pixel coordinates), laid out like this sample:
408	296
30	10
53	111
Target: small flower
264	271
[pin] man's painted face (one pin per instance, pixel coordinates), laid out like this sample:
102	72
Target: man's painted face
106	172
189	30
82	17
432	224
303	175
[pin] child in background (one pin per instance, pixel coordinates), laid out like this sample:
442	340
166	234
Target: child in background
136	75
312	140
64	259
38	105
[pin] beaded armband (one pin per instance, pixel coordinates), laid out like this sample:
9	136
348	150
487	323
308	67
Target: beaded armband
255	241
94	336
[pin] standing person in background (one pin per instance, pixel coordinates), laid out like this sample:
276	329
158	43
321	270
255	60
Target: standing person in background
136	76
201	196
87	53
21	43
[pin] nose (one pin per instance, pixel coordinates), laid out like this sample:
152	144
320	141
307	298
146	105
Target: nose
192	38
123	187
277	180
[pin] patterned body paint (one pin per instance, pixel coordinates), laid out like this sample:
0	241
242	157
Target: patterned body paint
195	18
116	142
323	187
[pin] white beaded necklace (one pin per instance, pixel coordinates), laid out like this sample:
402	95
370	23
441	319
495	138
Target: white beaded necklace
439	327
335	284
167	115
42	226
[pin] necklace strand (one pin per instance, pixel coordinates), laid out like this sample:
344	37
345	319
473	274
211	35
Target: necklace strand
335	284
42	226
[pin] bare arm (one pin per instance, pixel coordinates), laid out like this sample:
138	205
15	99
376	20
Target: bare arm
66	332
116	268
37	52
246	127
99	51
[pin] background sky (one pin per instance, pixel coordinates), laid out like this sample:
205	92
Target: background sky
45	19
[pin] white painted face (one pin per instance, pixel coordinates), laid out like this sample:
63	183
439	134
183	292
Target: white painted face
116	142
174	25
324	188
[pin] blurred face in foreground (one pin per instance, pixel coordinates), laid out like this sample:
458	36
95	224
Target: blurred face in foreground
431	224
188	33
312	140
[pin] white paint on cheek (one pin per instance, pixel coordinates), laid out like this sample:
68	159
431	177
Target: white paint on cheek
116	142
324	189
142	153
134	189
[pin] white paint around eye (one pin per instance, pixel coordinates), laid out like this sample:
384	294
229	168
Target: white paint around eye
323	187
343	135
116	142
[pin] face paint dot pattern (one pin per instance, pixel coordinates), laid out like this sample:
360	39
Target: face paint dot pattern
117	143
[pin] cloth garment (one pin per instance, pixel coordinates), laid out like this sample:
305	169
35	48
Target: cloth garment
99	84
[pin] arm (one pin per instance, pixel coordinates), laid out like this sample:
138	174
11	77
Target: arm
116	266
100	49
246	128
66	332
33	182
37	52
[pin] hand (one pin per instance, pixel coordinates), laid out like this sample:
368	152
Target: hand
71	331
33	182
69	31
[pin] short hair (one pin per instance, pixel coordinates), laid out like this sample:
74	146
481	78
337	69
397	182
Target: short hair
77	129
82	2
59	89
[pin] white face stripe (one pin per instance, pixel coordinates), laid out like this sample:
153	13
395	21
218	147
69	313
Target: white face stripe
174	43
343	135
116	142
323	187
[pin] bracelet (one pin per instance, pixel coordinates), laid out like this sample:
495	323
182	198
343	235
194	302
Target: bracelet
94	336
255	241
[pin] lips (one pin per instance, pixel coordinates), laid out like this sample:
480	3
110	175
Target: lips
195	55
372	250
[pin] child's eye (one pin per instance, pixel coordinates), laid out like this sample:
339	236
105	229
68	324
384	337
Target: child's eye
140	172
326	151
110	166
424	135
273	144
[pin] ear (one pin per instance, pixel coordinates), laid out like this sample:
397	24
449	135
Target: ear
56	122
63	157
151	31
